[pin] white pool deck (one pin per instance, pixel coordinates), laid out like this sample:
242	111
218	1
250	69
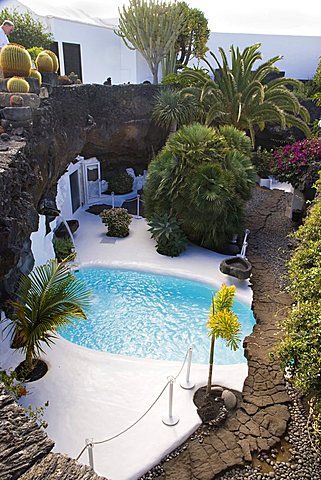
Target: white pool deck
96	395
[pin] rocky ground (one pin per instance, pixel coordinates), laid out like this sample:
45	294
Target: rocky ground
267	437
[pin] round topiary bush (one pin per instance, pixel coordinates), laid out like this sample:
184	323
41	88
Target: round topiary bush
120	183
117	221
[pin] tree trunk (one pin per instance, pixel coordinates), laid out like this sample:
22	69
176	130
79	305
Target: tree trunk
210	371
29	358
173	127
155	76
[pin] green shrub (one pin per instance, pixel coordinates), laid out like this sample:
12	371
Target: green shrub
202	177
64	248
170	238
120	183
117	221
178	81
34	52
300	349
262	159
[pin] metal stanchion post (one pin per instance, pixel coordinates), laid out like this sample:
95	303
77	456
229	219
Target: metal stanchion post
90	447
170	419
137	207
112	200
187	384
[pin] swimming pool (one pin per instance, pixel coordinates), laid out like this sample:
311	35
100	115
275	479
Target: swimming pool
149	315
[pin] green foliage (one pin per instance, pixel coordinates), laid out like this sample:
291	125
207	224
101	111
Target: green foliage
34	52
300	349
15	61
244	97
28	31
64	249
170	239
48	298
177	80
172	108
263	161
120	183
203	180
151	27
193	36
117	221
222	323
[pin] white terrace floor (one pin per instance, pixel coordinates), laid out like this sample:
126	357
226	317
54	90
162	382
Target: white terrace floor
96	395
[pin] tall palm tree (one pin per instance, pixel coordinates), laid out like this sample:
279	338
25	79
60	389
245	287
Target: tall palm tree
222	323
50	297
171	109
246	98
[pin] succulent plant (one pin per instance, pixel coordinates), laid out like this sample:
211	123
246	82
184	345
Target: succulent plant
15	60
17	85
54	59
44	63
35	74
16	101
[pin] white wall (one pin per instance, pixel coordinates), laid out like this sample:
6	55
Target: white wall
102	54
300	54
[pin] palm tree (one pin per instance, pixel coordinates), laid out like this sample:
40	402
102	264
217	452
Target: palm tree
171	109
222	323
246	98
50	297
208	171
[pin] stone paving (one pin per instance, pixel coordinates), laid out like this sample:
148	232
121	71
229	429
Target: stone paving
262	416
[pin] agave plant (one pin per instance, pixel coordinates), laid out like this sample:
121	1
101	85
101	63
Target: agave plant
222	323
246	98
170	238
50	297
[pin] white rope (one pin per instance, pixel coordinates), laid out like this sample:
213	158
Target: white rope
140	418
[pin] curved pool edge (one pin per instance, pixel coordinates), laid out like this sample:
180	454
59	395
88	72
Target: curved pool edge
243	287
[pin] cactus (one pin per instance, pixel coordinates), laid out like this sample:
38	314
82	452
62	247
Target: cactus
15	60
17	85
16	101
35	74
44	63
54	59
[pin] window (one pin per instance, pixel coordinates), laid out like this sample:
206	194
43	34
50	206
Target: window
72	58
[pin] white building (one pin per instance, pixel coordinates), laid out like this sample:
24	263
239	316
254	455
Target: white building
88	46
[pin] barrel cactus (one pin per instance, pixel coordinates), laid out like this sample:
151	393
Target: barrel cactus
54	59
44	63
35	74
17	85
15	60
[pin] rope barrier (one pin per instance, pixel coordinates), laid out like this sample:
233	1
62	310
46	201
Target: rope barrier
140	418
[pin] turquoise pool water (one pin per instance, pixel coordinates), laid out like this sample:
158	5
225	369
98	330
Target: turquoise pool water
148	315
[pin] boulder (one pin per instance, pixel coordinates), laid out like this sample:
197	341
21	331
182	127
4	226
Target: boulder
238	267
230	400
